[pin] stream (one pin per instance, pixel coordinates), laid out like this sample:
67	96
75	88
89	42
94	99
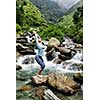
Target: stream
64	67
30	68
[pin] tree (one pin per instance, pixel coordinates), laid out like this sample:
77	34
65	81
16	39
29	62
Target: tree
28	15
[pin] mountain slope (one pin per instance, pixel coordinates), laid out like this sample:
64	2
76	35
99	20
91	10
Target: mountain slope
72	24
27	15
54	9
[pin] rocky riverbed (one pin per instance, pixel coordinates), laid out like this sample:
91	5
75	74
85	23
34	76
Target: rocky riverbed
64	68
27	90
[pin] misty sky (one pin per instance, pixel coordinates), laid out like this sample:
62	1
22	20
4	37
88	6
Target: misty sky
65	3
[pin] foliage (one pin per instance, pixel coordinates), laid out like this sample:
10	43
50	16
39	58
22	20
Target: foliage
78	21
51	10
52	31
28	15
72	25
18	28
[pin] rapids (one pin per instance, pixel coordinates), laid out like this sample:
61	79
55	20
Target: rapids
65	66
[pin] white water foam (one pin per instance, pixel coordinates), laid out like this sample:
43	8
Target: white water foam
64	67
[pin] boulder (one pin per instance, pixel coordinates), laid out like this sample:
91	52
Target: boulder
57	61
51	54
24	50
39	79
53	42
27	52
25	88
18	54
78	77
28	60
65	54
78	46
18	67
39	92
62	83
64	50
64	57
21	40
42	93
20	47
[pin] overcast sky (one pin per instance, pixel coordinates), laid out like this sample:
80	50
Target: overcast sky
66	3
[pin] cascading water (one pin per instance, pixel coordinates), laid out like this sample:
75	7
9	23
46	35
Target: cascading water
73	65
30	68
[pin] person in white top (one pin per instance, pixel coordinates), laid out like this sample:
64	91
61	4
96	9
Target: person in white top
38	56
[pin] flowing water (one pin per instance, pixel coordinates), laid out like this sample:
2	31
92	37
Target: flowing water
30	67
66	66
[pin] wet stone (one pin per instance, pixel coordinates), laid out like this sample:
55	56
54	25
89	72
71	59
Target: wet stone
28	60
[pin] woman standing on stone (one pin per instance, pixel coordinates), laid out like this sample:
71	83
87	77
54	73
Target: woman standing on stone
38	57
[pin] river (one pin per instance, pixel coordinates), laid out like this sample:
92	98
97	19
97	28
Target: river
68	67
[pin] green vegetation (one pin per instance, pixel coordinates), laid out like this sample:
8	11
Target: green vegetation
51	31
28	16
50	9
70	25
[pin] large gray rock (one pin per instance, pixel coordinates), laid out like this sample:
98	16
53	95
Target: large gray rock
51	54
28	60
39	92
62	83
65	54
27	52
18	67
24	50
19	47
64	57
21	40
57	61
53	42
63	50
